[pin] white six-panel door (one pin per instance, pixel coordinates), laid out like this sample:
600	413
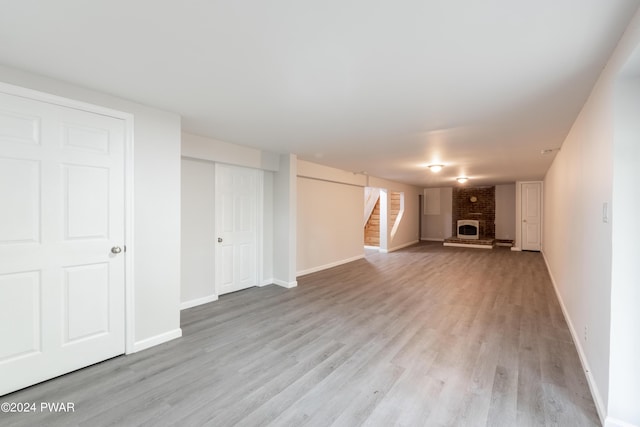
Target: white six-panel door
237	194
531	199
61	228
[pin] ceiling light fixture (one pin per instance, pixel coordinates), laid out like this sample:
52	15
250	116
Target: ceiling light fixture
435	168
546	151
462	179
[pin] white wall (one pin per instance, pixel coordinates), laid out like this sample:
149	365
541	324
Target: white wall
578	244
330	228
198	233
284	222
267	229
329	215
624	379
156	242
437	227
204	148
506	211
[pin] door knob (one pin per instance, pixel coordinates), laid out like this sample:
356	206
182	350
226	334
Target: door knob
219	239
524	220
116	250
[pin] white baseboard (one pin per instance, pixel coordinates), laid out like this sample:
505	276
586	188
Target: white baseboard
198	301
593	387
266	282
372	247
464	245
614	422
516	249
402	246
330	265
284	284
432	239
157	340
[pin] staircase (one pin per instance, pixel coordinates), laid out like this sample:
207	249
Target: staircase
394	208
372	227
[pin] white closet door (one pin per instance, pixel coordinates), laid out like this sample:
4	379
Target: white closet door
237	191
61	238
531	195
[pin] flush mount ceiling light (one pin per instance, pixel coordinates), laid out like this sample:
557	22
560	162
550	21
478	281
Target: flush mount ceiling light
435	168
462	179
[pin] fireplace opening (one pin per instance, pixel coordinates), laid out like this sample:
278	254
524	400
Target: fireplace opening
468	229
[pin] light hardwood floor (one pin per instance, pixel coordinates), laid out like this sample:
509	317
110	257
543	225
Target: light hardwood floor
427	335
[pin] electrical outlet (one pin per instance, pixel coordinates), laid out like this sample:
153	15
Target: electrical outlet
585	332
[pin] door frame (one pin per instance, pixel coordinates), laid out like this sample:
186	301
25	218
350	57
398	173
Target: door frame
518	243
128	189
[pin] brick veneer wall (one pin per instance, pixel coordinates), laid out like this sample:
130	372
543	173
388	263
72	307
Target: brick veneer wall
484	210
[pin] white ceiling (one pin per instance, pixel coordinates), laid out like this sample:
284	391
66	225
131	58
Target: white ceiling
363	85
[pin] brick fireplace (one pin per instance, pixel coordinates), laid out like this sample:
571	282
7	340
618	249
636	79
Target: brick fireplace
475	203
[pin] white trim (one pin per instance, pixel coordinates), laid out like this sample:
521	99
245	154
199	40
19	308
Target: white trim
157	340
595	392
516	249
260	229
62	101
198	301
614	422
129	284
284	284
129	287
402	246
266	282
431	239
330	265
463	245
373	248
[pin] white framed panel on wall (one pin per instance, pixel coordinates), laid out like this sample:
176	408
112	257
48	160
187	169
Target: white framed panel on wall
431	201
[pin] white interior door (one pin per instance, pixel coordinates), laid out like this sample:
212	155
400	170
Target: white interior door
531	204
237	192
62	212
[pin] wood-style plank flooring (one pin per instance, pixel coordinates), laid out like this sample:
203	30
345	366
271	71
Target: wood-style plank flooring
426	336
